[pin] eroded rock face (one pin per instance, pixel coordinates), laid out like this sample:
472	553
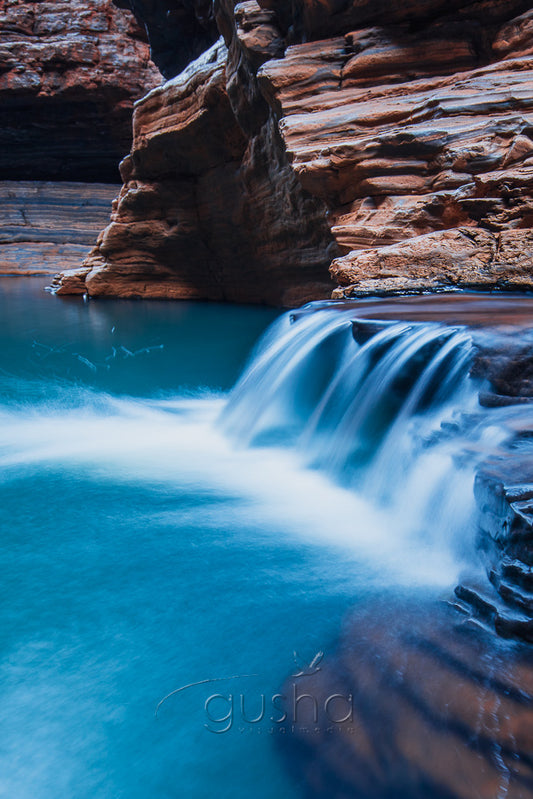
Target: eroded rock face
316	19
210	206
504	493
69	73
389	140
417	137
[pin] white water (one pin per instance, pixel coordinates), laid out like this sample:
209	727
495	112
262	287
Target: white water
394	419
147	544
324	439
179	442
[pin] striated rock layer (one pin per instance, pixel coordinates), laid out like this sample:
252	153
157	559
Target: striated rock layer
391	141
69	73
417	137
49	226
207	210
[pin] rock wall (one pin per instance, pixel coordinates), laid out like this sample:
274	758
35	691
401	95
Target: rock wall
49	226
389	141
210	206
69	73
501	599
415	131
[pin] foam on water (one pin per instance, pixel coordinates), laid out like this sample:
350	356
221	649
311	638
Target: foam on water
386	419
178	442
306	442
368	447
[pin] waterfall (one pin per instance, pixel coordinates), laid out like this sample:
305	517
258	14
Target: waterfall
388	410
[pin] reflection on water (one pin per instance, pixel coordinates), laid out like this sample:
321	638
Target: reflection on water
428	707
146	348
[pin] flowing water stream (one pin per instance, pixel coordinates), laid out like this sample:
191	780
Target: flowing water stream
163	538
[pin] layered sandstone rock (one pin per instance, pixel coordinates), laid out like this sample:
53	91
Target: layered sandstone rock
417	139
69	73
389	140
504	493
208	210
49	226
317	19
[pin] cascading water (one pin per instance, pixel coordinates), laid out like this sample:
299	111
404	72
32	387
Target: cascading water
387	409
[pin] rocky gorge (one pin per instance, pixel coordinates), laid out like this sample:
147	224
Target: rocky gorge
355	147
308	150
69	74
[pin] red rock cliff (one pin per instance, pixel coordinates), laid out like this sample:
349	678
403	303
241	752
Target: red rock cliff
390	143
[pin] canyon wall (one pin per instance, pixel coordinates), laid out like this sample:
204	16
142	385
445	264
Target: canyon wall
69	73
49	226
380	147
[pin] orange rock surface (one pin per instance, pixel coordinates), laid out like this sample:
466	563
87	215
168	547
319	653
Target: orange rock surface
390	143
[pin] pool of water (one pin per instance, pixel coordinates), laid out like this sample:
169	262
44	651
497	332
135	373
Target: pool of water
143	551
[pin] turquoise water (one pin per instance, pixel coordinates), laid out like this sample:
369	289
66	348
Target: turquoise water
142	551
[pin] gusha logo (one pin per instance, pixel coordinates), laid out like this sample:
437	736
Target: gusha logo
260	711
